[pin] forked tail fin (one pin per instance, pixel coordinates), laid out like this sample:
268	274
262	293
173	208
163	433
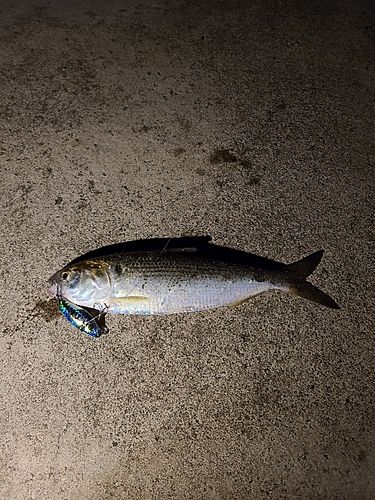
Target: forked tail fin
296	274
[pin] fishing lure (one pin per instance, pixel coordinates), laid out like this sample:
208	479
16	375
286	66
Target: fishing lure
82	319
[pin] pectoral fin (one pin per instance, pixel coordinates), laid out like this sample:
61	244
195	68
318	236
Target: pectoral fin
129	300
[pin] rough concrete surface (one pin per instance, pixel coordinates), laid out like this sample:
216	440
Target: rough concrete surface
250	121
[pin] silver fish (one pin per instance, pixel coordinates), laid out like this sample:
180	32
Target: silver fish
154	282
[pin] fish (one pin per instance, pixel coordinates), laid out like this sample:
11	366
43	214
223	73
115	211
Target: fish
169	282
86	321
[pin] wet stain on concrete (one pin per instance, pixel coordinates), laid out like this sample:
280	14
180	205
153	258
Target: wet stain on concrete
46	309
222	156
245	166
253	180
178	151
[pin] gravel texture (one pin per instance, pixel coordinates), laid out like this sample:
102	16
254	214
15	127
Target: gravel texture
252	122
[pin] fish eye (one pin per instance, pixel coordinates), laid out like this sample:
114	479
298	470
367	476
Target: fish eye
64	275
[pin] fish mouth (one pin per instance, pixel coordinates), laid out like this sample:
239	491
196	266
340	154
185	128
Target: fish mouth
52	290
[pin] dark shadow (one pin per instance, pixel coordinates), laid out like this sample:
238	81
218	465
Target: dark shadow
200	244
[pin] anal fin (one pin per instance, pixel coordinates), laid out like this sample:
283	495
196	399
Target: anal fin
238	302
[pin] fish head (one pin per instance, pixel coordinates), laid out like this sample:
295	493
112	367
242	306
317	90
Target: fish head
85	283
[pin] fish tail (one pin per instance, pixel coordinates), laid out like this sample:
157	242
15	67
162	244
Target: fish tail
297	272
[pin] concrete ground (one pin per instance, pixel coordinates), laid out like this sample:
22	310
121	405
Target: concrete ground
252	122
